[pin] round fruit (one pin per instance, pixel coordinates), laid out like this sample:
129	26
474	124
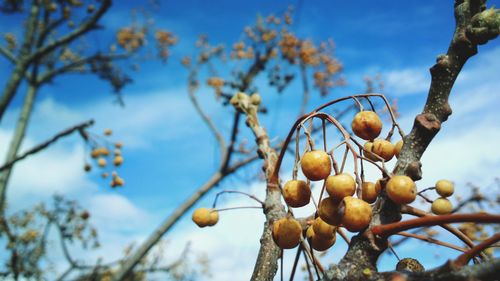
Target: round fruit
356	214
441	206
214	217
117	181
108	132
397	147
401	189
370	191
118	160
340	186
87	167
255	99
367	151
103	151
319	243
95	153
328	211
316	165
296	193
409	264
286	233
445	188
383	148
323	229
366	125
101	162
205	217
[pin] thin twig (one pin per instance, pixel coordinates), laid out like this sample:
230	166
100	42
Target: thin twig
45	144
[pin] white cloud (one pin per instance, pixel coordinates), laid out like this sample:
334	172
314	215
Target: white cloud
408	81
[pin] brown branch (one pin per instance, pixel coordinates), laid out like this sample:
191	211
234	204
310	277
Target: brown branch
460	235
392	228
47	143
464	258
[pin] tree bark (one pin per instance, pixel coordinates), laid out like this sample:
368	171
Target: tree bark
17	139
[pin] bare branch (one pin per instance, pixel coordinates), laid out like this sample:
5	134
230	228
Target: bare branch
88	25
192	85
45	144
49	75
8	55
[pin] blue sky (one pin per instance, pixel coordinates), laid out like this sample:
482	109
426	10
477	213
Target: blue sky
169	152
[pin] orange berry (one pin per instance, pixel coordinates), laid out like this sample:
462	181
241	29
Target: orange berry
397	147
286	233
356	214
383	148
108	132
319	243
401	189
366	125
296	193
445	188
441	206
367	151
316	165
370	191
323	229
101	162
118	160
205	217
328	211
95	153
340	186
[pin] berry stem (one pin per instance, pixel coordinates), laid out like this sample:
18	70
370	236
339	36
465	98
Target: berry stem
431	240
238	192
236	208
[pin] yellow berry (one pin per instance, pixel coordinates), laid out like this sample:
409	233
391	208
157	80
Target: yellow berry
205	217
383	148
286	233
356	214
296	193
118	160
370	191
319	243
340	186
328	211
445	188
316	165
366	125
401	189
397	147
101	162
441	206
323	229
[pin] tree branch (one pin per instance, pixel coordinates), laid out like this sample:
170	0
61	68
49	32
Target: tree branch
8	55
50	74
45	144
91	23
